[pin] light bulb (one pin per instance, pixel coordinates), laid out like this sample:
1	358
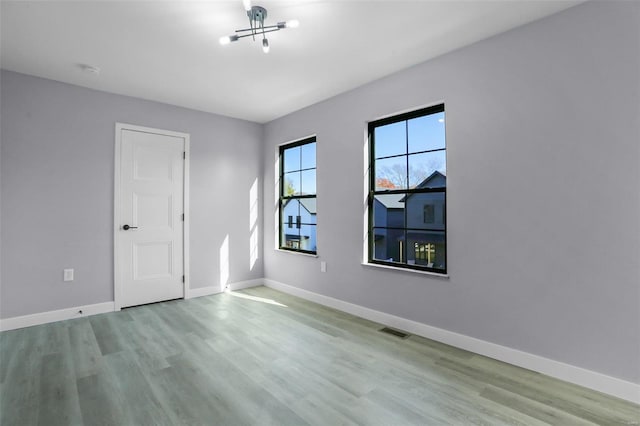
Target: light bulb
294	23
247	5
228	39
265	45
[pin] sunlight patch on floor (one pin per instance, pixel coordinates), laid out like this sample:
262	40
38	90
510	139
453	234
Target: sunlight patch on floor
255	298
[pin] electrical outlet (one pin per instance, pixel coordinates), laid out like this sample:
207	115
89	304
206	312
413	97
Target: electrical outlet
323	266
68	275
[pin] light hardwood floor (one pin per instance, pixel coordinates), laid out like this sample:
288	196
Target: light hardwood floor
261	357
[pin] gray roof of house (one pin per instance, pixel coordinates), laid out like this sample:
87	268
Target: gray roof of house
425	183
309	204
429	178
391	201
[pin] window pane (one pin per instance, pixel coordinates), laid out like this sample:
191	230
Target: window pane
391	173
422	207
308	156
390	139
308	182
292	184
423	168
426	248
388	211
426	133
307	210
389	245
308	237
302	210
292	159
290	235
290	208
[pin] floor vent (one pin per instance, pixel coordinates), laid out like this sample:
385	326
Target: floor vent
394	332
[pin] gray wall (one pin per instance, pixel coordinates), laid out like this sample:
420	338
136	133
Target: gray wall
543	207
57	164
543	201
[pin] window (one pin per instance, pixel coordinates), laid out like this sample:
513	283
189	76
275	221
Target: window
429	213
293	244
407	190
425	252
297	202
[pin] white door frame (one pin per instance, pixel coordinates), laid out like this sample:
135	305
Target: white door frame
117	268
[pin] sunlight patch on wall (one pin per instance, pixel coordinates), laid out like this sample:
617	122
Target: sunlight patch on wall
224	263
365	191
253	224
276	197
253	205
276	174
253	245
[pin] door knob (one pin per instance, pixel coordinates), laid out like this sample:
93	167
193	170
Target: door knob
127	227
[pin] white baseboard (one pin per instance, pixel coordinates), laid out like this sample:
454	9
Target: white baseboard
101	308
569	373
203	291
245	284
214	289
53	316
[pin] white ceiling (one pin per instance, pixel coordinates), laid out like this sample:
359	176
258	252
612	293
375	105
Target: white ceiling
168	51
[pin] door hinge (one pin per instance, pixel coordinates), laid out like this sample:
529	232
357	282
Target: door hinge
183	278
184	155
183	217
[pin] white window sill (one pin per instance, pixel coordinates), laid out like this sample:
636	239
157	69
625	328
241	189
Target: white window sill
297	253
412	271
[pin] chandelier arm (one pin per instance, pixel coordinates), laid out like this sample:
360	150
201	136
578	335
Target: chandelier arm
268	27
250	34
253	32
270	30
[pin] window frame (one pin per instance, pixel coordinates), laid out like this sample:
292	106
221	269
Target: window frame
372	192
281	197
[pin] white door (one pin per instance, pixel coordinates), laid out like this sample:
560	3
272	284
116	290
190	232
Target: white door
149	235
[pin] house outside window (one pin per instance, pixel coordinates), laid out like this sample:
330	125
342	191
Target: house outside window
407	190
297	204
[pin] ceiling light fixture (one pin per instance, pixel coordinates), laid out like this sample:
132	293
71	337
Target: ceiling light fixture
257	15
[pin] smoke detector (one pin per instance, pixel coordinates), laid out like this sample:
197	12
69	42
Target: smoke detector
89	69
